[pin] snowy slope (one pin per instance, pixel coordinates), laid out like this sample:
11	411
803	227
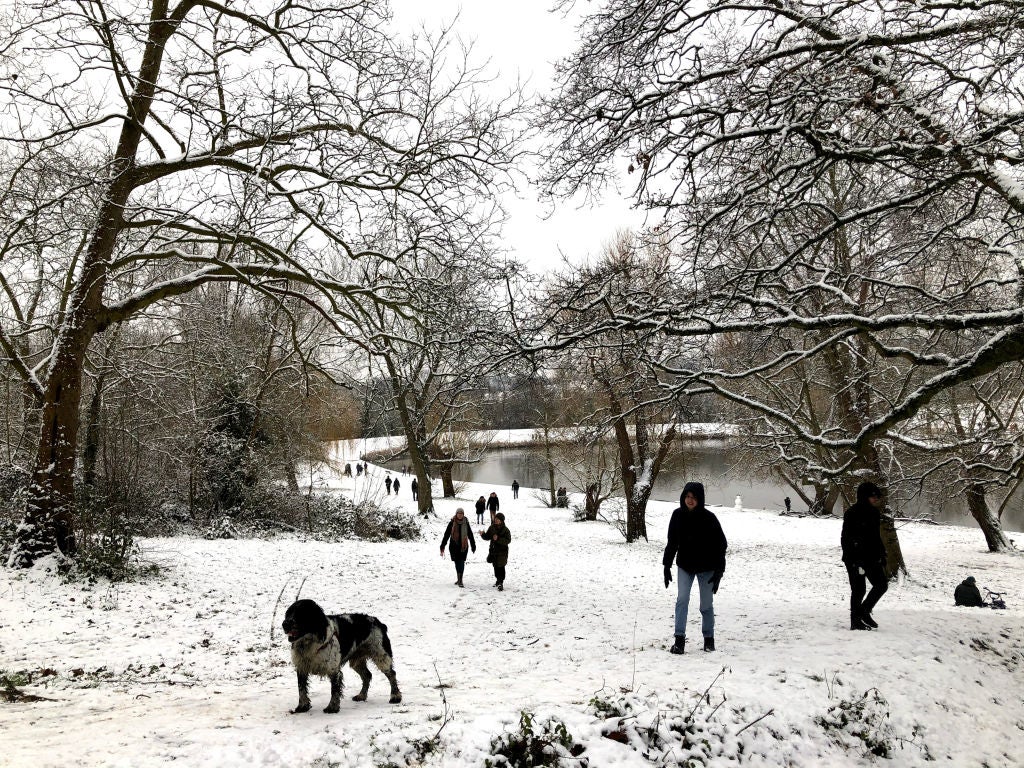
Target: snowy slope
184	667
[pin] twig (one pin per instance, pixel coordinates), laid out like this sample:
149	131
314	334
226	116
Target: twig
704	695
753	722
446	716
299	590
273	617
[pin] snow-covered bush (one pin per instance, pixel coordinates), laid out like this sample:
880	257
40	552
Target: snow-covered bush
861	724
536	743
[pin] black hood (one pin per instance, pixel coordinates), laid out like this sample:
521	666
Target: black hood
697	489
867	490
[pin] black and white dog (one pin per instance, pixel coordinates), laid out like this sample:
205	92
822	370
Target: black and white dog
321	644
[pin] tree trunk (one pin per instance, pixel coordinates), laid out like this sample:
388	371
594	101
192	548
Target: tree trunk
447	484
636	512
988	521
49	519
593	502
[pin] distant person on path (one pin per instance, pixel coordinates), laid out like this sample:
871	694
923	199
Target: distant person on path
864	554
788	503
500	537
968	594
359	468
493	504
395	486
415	489
562	497
459	537
515	489
481	505
387	484
348	470
697	544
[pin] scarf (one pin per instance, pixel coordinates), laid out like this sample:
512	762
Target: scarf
460	533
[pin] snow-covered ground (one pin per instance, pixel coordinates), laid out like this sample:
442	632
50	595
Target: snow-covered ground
191	666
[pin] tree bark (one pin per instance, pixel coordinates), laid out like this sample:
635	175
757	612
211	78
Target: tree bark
988	521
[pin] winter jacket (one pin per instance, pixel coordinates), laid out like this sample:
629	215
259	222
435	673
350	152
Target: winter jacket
492	504
967	593
861	537
458	553
481	505
499	548
695	539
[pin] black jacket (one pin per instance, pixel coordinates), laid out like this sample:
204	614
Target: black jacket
455	552
967	593
695	539
861	537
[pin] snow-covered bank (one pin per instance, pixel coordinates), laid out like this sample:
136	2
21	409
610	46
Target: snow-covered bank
184	667
350	450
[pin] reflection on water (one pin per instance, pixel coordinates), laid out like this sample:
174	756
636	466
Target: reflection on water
707	462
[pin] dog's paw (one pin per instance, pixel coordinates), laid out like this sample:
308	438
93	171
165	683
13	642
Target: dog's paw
302	708
359	697
331	709
396	699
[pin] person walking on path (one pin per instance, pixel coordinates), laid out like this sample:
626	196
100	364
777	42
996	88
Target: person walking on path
395	486
387	484
459	538
415	486
481	505
493	504
697	544
499	536
515	489
788	503
864	554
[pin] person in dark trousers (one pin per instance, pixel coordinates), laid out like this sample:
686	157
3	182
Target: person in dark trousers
481	505
864	554
515	489
788	503
696	543
493	504
500	537
415	486
459	537
968	594
395	486
387	484
359	468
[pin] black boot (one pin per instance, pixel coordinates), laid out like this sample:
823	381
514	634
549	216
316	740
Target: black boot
865	616
679	646
709	643
856	622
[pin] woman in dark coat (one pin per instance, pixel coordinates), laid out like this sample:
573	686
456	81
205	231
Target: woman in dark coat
697	544
499	536
481	505
493	504
864	554
459	536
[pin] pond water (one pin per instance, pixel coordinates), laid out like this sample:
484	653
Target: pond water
707	462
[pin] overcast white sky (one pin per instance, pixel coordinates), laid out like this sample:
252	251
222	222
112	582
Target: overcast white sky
524	39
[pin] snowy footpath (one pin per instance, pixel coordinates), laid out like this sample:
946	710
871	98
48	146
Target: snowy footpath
190	666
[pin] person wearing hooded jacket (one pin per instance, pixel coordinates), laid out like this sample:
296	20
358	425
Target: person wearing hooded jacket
864	554
697	544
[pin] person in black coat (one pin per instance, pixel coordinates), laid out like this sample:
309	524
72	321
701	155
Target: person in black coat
459	537
481	505
493	504
864	554
415	489
968	594
697	544
515	489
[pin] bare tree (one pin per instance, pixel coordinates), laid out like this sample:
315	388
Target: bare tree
220	142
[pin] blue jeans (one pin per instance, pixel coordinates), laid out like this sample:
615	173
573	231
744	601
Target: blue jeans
707	601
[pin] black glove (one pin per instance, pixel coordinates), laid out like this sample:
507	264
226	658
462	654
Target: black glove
716	579
668	575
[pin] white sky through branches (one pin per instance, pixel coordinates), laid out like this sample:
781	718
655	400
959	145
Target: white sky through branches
522	41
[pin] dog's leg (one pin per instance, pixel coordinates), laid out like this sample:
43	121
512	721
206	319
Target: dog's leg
336	686
364	675
386	665
304	705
